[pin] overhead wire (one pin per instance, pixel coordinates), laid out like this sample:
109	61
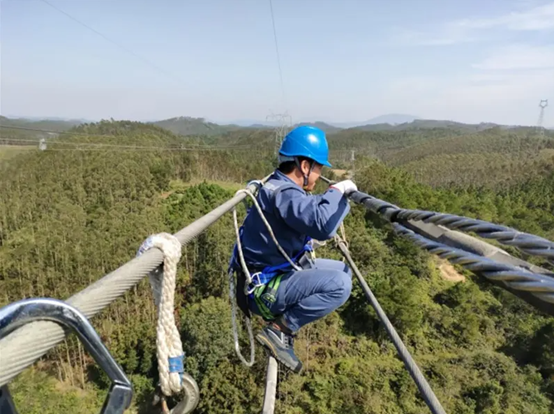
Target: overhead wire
278	54
147	61
189	145
85	134
49	131
32	129
94	146
152	64
85	146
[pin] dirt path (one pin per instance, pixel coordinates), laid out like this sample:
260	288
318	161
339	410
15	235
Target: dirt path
448	272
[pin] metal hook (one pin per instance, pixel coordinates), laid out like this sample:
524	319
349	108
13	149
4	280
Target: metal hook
192	396
187	405
20	313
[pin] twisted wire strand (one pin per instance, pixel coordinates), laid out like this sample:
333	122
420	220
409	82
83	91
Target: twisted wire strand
528	243
539	285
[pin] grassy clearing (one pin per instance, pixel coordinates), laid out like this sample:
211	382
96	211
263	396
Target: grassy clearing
9	151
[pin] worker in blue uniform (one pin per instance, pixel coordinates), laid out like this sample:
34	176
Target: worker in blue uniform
292	298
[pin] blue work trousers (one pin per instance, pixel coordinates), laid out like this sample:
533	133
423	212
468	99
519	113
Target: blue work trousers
311	293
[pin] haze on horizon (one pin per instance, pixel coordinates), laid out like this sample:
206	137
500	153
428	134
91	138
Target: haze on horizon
473	61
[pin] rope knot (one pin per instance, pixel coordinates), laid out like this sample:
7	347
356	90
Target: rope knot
168	339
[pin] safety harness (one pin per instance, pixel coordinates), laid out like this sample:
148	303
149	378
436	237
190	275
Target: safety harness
263	289
265	283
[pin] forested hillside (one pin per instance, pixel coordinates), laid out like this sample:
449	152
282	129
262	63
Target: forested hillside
71	214
194	126
495	157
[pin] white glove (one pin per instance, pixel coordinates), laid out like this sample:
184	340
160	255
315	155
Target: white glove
346	187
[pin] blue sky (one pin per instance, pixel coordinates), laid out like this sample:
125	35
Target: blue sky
347	60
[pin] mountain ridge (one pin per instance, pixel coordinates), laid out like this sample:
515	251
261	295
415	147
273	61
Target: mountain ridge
187	125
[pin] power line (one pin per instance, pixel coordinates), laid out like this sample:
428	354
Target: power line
278	55
90	145
35	129
49	131
112	41
85	134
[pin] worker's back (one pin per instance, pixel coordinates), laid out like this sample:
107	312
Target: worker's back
258	247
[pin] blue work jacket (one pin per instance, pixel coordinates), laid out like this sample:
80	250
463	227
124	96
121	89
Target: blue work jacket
293	215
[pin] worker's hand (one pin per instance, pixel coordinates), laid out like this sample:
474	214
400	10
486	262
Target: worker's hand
346	187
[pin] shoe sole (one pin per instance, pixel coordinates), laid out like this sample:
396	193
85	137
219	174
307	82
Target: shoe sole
267	344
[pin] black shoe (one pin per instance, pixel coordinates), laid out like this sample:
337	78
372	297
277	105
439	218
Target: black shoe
281	346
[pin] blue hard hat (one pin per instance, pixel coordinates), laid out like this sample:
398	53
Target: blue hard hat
306	141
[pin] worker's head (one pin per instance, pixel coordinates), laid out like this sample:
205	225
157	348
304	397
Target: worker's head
303	154
304	171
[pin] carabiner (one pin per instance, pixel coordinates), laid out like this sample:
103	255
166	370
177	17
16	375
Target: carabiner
20	313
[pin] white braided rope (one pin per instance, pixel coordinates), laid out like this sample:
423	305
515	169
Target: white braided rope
168	339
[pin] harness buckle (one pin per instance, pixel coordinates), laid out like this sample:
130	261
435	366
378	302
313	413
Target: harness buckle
269	297
253	285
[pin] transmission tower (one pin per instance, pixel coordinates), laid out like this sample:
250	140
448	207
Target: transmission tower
282	124
542	104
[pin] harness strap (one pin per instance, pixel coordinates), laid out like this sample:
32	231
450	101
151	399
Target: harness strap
271	290
286	265
264	296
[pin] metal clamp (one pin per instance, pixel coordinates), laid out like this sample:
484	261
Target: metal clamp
17	314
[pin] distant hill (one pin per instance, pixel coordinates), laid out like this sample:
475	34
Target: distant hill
322	125
432	124
246	123
21	128
200	126
390	119
260	126
52	118
375	127
185	125
46	124
189	126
